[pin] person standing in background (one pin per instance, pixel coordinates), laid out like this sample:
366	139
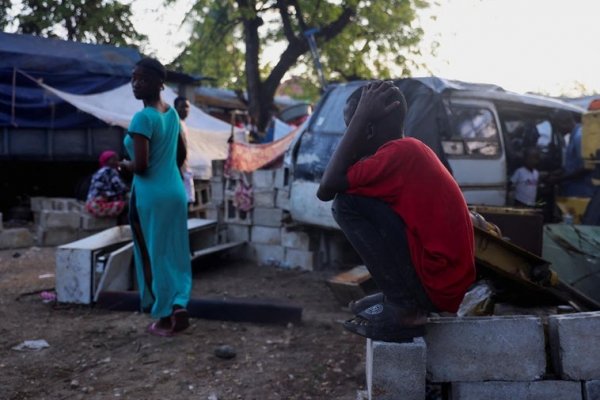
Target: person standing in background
182	106
158	205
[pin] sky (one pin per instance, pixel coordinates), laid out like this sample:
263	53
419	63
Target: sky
544	46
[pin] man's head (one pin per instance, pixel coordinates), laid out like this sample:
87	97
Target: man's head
532	158
182	106
388	127
564	121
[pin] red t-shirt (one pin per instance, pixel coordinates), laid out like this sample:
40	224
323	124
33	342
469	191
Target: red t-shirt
407	175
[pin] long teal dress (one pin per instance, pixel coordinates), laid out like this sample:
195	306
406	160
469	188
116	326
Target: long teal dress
158	216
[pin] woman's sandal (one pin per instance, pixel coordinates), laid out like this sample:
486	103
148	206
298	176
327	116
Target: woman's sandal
156	330
180	320
359	306
388	323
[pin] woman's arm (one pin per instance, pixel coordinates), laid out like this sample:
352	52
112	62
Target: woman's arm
141	150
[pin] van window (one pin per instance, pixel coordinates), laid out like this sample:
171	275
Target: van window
330	118
473	133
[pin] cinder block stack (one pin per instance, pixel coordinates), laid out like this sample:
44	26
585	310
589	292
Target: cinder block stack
272	240
495	358
63	220
198	209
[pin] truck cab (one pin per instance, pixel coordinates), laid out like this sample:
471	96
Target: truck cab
478	131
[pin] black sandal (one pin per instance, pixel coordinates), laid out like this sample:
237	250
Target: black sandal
359	306
180	320
388	323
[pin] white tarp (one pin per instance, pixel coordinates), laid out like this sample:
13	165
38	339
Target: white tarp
207	136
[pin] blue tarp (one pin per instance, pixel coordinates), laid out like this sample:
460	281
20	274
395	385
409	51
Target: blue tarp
72	67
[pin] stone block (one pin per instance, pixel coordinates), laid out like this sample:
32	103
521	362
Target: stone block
591	390
218	167
485	349
396	370
265	234
56	236
302	259
60	219
36	204
571	338
268	254
282	199
66	204
264	198
235	215
263	179
540	390
238	233
282	178
295	239
267	216
216	213
15	238
217	192
91	223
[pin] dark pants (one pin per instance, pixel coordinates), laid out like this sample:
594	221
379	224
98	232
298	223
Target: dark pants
378	235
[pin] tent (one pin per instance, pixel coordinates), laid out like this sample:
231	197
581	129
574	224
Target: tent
72	67
207	136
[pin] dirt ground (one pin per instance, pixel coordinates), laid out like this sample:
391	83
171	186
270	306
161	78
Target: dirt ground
98	354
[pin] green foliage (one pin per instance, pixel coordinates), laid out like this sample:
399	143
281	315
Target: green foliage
378	42
90	21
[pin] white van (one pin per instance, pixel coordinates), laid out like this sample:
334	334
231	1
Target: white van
478	131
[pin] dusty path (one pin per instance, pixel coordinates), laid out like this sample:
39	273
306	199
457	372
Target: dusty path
95	354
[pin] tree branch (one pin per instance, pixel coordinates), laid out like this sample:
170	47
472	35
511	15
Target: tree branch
288	30
299	15
333	29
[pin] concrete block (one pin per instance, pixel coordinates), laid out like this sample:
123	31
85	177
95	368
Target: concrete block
267	216
295	239
282	199
571	338
238	233
218	167
56	236
265	234
263	179
591	390
302	259
59	219
235	215
36	203
540	390
217	192
282	178
268	254
216	213
91	223
15	237
485	349
264	198
66	204
396	370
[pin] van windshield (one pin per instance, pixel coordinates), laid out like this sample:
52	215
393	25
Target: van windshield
330	118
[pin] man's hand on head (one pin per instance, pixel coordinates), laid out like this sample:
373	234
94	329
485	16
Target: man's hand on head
373	101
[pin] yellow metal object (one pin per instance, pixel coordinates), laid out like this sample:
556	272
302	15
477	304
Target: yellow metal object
590	140
575	206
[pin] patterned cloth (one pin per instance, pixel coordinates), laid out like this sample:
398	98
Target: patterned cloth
247	157
107	193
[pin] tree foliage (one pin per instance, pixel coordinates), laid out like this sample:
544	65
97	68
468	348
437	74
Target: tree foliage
90	21
356	39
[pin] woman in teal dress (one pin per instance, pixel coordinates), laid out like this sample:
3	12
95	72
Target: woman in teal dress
158	206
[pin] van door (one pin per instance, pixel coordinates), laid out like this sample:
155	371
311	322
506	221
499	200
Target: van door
474	148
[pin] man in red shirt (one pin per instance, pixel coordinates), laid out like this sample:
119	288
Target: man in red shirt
404	214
